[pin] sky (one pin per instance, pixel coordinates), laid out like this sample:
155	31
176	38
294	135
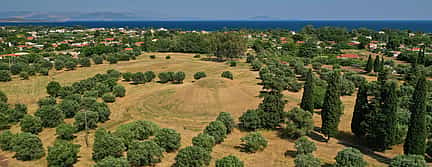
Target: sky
240	9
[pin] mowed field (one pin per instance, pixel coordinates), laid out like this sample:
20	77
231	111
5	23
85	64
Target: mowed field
187	108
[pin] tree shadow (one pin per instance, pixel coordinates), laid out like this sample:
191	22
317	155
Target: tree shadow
212	59
317	137
290	153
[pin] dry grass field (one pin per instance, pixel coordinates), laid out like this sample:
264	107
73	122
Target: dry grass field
187	108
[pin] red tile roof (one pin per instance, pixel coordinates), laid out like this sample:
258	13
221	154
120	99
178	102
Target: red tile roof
352	56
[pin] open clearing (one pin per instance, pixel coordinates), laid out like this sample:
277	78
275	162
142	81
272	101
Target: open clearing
187	108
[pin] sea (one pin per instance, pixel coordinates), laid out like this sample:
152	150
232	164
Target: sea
295	25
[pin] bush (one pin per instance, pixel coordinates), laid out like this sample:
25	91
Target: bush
227	119
53	88
17	113
316	65
50	116
304	146
98	59
119	91
3	97
168	139
192	156
204	140
113	162
24	75
138	130
251	120
307	160
179	77
5	76
62	154
106	145
164	77
200	75
253	142
229	161
146	153
31	124
108	98
47	101
197	56
149	76
350	157
81	117
227	74
103	111
167	57
27	147
138	78
69	107
347	87
216	129
44	71
6	140
127	76
152	56
70	65
112	59
299	123
65	131
408	161
84	62
233	63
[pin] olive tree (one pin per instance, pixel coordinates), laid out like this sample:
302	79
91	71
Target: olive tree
31	124
204	140
168	139
62	153
192	156
216	129
27	147
253	142
229	161
146	153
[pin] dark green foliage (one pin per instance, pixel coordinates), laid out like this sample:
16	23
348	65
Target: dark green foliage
138	78
47	101
229	161
227	119
306	160
152	56
149	76
112	162
108	98
199	75
304	146
204	140
332	107
347	87
50	115
227	45
89	118
3	97
112	59
179	77
370	64
62	154
192	156
5	76
197	56
98	59
350	157
360	110
103	111
17	68
415	141
27	147
164	77
167	57
31	124
251	120
298	123
65	131
138	130
408	161
59	64
389	109
127	76
85	62
6	140
24	75
377	64
233	63
168	139
71	64
106	144
253	142
119	91
218	130
227	74
114	74
307	98
4	118
146	153
53	88
272	106
69	108
17	113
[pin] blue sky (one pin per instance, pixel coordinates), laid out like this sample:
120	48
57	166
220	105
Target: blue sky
240	9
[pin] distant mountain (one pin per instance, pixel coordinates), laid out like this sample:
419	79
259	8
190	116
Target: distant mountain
263	18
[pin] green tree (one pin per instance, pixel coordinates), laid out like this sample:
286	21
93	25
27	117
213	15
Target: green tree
228	121
304	146
168	139
146	153
408	160
108	98
415	141
53	88
69	107
6	140
50	116
98	59
127	76
350	157
106	144
86	119
3	97
200	75
377	64
218	130
204	140
65	131
360	110
227	74
229	161
390	110
227	45
31	124
149	76
179	77
119	91
306	160
307	98
113	162
17	113
273	106
164	77
138	130
192	156
85	62
62	154
332	107
370	64
5	76
27	147
253	142
251	120
298	123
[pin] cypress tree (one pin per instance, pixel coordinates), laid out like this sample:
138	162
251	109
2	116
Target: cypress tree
360	109
273	106
382	64
415	142
332	107
389	108
370	65
377	64
307	99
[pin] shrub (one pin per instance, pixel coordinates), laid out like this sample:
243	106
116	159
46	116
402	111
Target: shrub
47	101
53	88
138	78
233	63
62	153
304	146
5	76
253	142
216	129
114	74
103	111
306	160
347	87
84	62
204	140
138	130
3	97
192	156
227	74
112	59
164	77
24	75
197	56
59	64
98	59
229	161
44	71
199	75
6	140
17	113
316	65
112	162
408	161
65	131
50	116
108	98
106	145
31	124
179	77
69	107
27	147
70	65
149	76
227	119
152	56
127	76
350	157
168	139
119	91
146	153
86	118
299	123
251	120
167	57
